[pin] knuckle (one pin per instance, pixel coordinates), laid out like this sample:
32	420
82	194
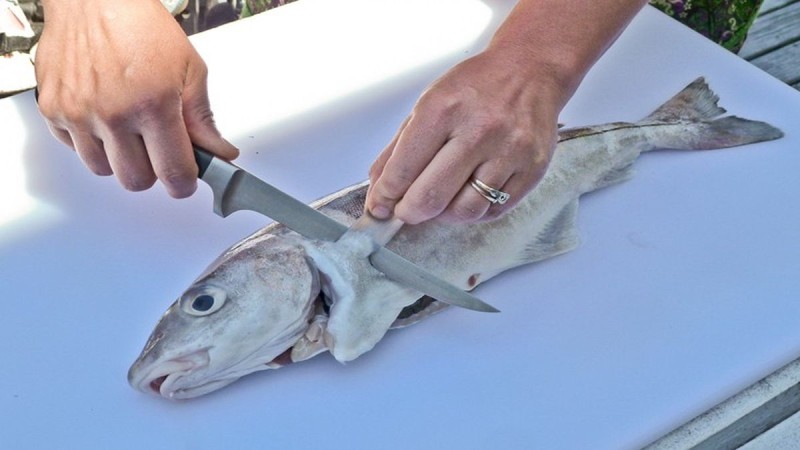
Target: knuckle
409	216
48	106
426	206
488	124
199	68
74	113
174	176
437	106
392	186
374	171
519	138
465	213
516	146
113	119
144	107
200	116
111	114
538	165
149	103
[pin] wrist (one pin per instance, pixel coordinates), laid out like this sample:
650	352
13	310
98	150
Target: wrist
556	42
556	74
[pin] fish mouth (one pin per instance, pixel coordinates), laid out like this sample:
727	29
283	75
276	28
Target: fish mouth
169	378
188	376
158	387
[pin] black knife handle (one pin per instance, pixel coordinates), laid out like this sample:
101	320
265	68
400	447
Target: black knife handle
203	158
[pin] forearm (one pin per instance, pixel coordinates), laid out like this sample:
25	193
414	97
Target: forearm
56	8
560	40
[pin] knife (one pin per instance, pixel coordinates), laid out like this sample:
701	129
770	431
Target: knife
235	189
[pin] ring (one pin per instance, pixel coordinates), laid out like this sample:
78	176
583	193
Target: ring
488	192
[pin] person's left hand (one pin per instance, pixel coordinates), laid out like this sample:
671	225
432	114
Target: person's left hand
488	118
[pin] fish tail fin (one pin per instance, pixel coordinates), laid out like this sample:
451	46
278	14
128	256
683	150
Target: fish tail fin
695	108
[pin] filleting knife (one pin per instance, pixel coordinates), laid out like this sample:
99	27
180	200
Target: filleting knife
235	189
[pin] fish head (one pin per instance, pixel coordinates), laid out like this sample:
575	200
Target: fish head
244	314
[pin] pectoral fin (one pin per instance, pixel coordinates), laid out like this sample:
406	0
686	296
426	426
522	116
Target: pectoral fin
364	303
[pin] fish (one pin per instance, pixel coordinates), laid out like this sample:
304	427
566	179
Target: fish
277	298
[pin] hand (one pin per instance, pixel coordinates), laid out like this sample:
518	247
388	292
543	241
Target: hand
494	115
484	118
121	84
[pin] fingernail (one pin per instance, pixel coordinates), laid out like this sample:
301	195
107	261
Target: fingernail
381	212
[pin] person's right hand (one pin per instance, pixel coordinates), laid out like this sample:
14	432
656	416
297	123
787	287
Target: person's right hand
121	84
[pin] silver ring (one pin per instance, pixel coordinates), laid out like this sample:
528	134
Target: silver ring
488	192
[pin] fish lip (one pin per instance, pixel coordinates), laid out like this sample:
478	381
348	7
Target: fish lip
168	378
164	377
198	390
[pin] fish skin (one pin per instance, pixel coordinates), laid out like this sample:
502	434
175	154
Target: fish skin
273	283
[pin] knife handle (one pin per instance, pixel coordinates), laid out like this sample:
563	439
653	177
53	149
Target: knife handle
203	158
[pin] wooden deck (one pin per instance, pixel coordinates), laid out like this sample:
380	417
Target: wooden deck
766	415
774	41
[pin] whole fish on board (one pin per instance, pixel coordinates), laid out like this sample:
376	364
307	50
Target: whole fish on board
276	297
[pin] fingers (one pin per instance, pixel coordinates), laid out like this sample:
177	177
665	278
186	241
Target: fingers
409	153
151	144
60	134
433	190
89	148
92	152
158	146
469	205
475	121
128	159
418	180
123	113
376	169
168	150
170	132
442	188
197	115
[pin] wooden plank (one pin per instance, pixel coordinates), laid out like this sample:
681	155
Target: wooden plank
756	422
782	63
771	5
741	418
785	435
772	30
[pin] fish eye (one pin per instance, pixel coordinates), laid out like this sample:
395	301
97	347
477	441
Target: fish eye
202	301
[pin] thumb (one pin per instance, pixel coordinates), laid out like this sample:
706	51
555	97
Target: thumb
199	118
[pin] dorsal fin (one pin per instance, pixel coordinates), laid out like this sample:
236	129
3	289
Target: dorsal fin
695	102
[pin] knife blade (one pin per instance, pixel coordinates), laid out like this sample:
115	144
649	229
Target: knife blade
235	189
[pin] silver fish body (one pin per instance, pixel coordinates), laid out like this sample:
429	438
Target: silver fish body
276	298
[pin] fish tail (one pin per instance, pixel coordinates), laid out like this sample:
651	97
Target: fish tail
696	111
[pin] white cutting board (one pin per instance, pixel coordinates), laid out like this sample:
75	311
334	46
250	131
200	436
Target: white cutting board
684	291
